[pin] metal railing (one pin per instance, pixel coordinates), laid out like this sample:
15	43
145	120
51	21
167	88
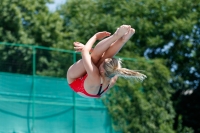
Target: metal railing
34	74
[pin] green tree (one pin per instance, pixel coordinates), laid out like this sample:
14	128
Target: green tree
166	30
30	22
145	107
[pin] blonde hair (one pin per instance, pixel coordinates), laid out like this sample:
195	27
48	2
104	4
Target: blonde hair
112	67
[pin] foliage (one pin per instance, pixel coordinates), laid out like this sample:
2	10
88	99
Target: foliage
167	30
145	107
29	22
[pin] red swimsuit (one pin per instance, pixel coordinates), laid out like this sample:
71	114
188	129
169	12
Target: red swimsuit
78	86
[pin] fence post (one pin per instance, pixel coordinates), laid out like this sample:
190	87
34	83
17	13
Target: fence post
74	100
33	85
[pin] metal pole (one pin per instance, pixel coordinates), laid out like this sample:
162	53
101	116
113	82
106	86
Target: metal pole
74	100
33	86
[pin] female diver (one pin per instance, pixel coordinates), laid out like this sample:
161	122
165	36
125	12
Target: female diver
97	72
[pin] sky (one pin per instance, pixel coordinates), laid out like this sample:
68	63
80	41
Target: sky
56	4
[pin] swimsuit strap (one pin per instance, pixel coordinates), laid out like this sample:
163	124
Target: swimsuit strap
101	92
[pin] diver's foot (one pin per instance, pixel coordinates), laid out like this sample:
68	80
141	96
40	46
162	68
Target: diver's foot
122	30
128	35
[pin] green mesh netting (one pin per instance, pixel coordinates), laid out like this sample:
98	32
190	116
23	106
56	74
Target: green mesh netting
31	102
46	105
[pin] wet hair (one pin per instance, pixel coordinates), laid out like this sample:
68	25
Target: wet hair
112	67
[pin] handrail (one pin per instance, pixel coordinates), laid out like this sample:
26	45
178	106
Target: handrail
55	49
35	46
